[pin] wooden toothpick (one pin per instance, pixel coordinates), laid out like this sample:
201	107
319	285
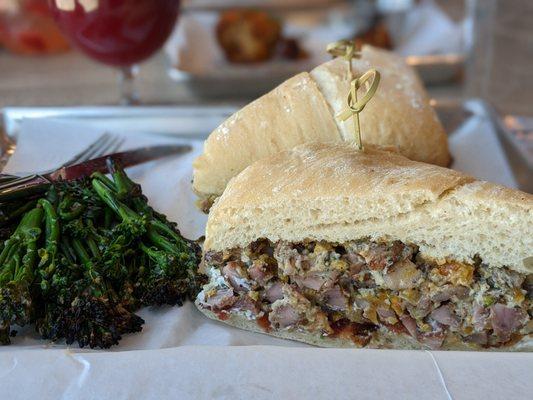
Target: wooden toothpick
348	50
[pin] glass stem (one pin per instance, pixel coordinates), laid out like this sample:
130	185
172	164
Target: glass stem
128	90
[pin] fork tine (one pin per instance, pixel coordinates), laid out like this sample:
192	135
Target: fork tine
115	145
107	146
80	157
100	147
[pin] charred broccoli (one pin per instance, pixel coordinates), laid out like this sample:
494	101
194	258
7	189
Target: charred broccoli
17	262
87	254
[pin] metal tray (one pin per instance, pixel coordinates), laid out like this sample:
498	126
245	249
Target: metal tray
438	69
198	122
240	83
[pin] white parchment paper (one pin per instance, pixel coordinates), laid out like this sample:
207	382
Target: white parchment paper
180	354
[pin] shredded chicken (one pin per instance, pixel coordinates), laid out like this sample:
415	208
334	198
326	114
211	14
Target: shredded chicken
335	288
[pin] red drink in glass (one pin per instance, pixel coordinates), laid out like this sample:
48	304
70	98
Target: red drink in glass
117	32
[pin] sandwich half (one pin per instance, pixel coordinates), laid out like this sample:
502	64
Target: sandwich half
303	109
331	246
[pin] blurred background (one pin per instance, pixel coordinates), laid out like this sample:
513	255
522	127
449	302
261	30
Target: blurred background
58	52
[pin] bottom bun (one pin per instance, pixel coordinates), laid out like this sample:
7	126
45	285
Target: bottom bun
380	339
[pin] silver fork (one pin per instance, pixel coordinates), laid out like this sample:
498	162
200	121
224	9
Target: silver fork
105	144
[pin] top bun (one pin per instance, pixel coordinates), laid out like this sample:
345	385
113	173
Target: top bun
336	193
303	109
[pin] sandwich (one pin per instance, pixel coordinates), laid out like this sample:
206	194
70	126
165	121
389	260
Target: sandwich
303	109
337	247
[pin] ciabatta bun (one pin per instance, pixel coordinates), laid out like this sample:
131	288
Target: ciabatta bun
336	193
303	109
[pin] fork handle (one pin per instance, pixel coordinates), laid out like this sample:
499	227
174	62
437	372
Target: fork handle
4	178
22	187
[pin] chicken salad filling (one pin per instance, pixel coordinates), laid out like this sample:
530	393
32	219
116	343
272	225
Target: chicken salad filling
355	289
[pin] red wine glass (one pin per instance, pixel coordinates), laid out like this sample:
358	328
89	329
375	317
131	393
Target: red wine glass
120	33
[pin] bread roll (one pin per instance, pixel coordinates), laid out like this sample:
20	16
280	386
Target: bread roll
303	109
405	254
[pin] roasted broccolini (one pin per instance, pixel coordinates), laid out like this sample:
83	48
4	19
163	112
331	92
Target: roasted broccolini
85	256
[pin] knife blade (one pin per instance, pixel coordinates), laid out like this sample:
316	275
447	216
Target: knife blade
125	159
15	188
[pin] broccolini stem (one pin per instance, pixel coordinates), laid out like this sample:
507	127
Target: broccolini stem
93	247
122	185
108	218
125	186
66	212
150	252
48	255
17	265
161	242
81	253
8	248
51	231
164	228
105	194
52	196
12	264
31	231
105	180
7	272
67	250
29	259
85	259
26	234
30	221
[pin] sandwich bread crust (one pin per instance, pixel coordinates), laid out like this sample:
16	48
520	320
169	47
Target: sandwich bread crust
335	193
303	109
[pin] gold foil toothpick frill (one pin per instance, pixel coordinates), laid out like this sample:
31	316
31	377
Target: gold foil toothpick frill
355	106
